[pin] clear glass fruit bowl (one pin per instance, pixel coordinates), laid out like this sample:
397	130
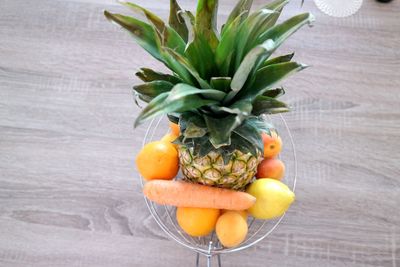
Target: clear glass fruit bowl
165	216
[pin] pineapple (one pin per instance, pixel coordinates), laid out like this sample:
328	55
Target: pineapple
211	169
220	82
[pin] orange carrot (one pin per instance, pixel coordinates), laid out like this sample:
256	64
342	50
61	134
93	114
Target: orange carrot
183	194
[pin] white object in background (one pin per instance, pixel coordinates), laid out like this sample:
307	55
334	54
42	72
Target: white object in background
339	8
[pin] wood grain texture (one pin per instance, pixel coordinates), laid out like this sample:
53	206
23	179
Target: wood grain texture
69	195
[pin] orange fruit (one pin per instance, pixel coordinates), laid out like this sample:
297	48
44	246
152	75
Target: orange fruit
197	221
231	229
175	128
271	168
243	213
158	160
169	138
272	144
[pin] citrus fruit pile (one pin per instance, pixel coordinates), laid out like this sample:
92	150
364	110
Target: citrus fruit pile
202	209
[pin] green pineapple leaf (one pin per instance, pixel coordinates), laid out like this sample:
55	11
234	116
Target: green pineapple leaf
205	93
268	105
226	154
152	109
241	10
172	118
274	93
264	23
280	59
144	98
201	57
176	21
275	36
266	77
280	32
151	17
194	125
253	26
188	19
261	124
250	132
224	54
169	37
248	64
276	5
203	146
149	75
181	98
154	88
220	133
221	83
206	22
242	144
242	108
143	33
216	95
194	131
188	67
242	36
177	67
193	117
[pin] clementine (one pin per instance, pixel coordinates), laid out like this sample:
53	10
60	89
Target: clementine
242	213
272	144
169	138
197	221
174	128
158	160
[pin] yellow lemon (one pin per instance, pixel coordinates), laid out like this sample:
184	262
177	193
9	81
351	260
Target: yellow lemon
197	221
231	228
273	198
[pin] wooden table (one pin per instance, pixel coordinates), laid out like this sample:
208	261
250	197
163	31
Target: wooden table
69	192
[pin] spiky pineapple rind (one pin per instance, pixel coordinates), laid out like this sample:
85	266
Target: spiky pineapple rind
236	173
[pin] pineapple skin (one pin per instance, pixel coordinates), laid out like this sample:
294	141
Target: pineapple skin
210	169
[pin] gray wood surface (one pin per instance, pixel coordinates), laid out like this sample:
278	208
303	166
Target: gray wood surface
69	193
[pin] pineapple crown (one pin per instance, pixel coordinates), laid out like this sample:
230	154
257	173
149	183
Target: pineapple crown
221	81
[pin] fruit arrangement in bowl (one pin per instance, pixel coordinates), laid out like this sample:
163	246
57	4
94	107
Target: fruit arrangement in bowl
201	208
219	163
